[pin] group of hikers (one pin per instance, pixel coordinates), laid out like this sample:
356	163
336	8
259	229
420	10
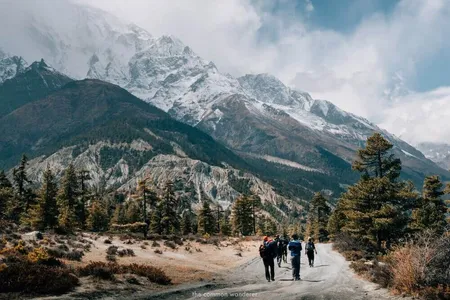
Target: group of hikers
278	247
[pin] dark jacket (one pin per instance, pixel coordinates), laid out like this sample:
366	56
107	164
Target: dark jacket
296	247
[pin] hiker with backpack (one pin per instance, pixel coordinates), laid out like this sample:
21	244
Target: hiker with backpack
279	244
295	246
267	252
310	248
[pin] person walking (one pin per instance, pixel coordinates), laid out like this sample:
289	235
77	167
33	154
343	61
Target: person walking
310	248
267	252
279	245
295	246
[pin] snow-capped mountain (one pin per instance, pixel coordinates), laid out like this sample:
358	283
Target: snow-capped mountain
437	152
258	116
10	66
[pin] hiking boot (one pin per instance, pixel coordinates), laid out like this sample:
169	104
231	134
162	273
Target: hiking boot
273	279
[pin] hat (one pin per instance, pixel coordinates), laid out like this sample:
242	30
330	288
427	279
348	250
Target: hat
309	238
266	238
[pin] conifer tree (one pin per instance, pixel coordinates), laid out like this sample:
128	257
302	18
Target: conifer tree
83	177
431	210
186	223
242	215
256	205
377	208
225	227
67	199
119	215
155	222
133	212
6	199
271	227
375	160
98	217
206	221
318	215
336	221
169	203
45	212
4	181
24	194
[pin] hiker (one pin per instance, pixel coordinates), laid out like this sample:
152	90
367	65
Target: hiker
279	244
284	245
310	248
295	246
268	253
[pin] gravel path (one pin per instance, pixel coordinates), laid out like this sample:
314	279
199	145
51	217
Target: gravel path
331	278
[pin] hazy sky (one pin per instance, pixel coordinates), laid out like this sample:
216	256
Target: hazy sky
369	57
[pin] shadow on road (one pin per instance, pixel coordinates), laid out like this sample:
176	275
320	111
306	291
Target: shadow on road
312	280
319	266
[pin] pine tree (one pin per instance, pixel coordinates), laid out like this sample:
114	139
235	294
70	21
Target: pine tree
83	177
186	223
376	210
24	194
66	219
336	221
133	212
4	181
318	215
431	210
98	217
225	227
45	212
242	216
67	199
155	222
206	222
271	227
119	215
169	204
6	199
256	205
375	160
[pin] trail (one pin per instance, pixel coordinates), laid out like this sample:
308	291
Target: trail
330	278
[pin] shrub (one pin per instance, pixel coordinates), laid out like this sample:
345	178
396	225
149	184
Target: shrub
157	251
125	252
170	244
26	277
98	269
74	255
133	280
155	244
107	270
146	243
107	241
137	227
143	247
112	250
111	258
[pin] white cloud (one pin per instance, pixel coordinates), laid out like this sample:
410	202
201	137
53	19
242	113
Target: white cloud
421	117
361	71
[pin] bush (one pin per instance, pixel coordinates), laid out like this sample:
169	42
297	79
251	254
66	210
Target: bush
137	227
111	258
74	255
107	241
107	270
155	244
125	252
157	251
98	269
112	250
170	244
26	277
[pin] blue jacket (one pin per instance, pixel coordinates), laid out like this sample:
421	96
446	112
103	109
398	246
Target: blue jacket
296	247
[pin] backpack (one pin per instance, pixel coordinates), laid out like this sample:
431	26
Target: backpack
309	246
263	250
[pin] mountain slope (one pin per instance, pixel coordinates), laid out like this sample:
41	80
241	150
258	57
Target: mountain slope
30	84
270	125
120	139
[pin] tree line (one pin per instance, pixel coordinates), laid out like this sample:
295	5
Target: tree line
72	204
381	209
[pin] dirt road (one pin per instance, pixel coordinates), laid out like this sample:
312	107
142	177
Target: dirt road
331	278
